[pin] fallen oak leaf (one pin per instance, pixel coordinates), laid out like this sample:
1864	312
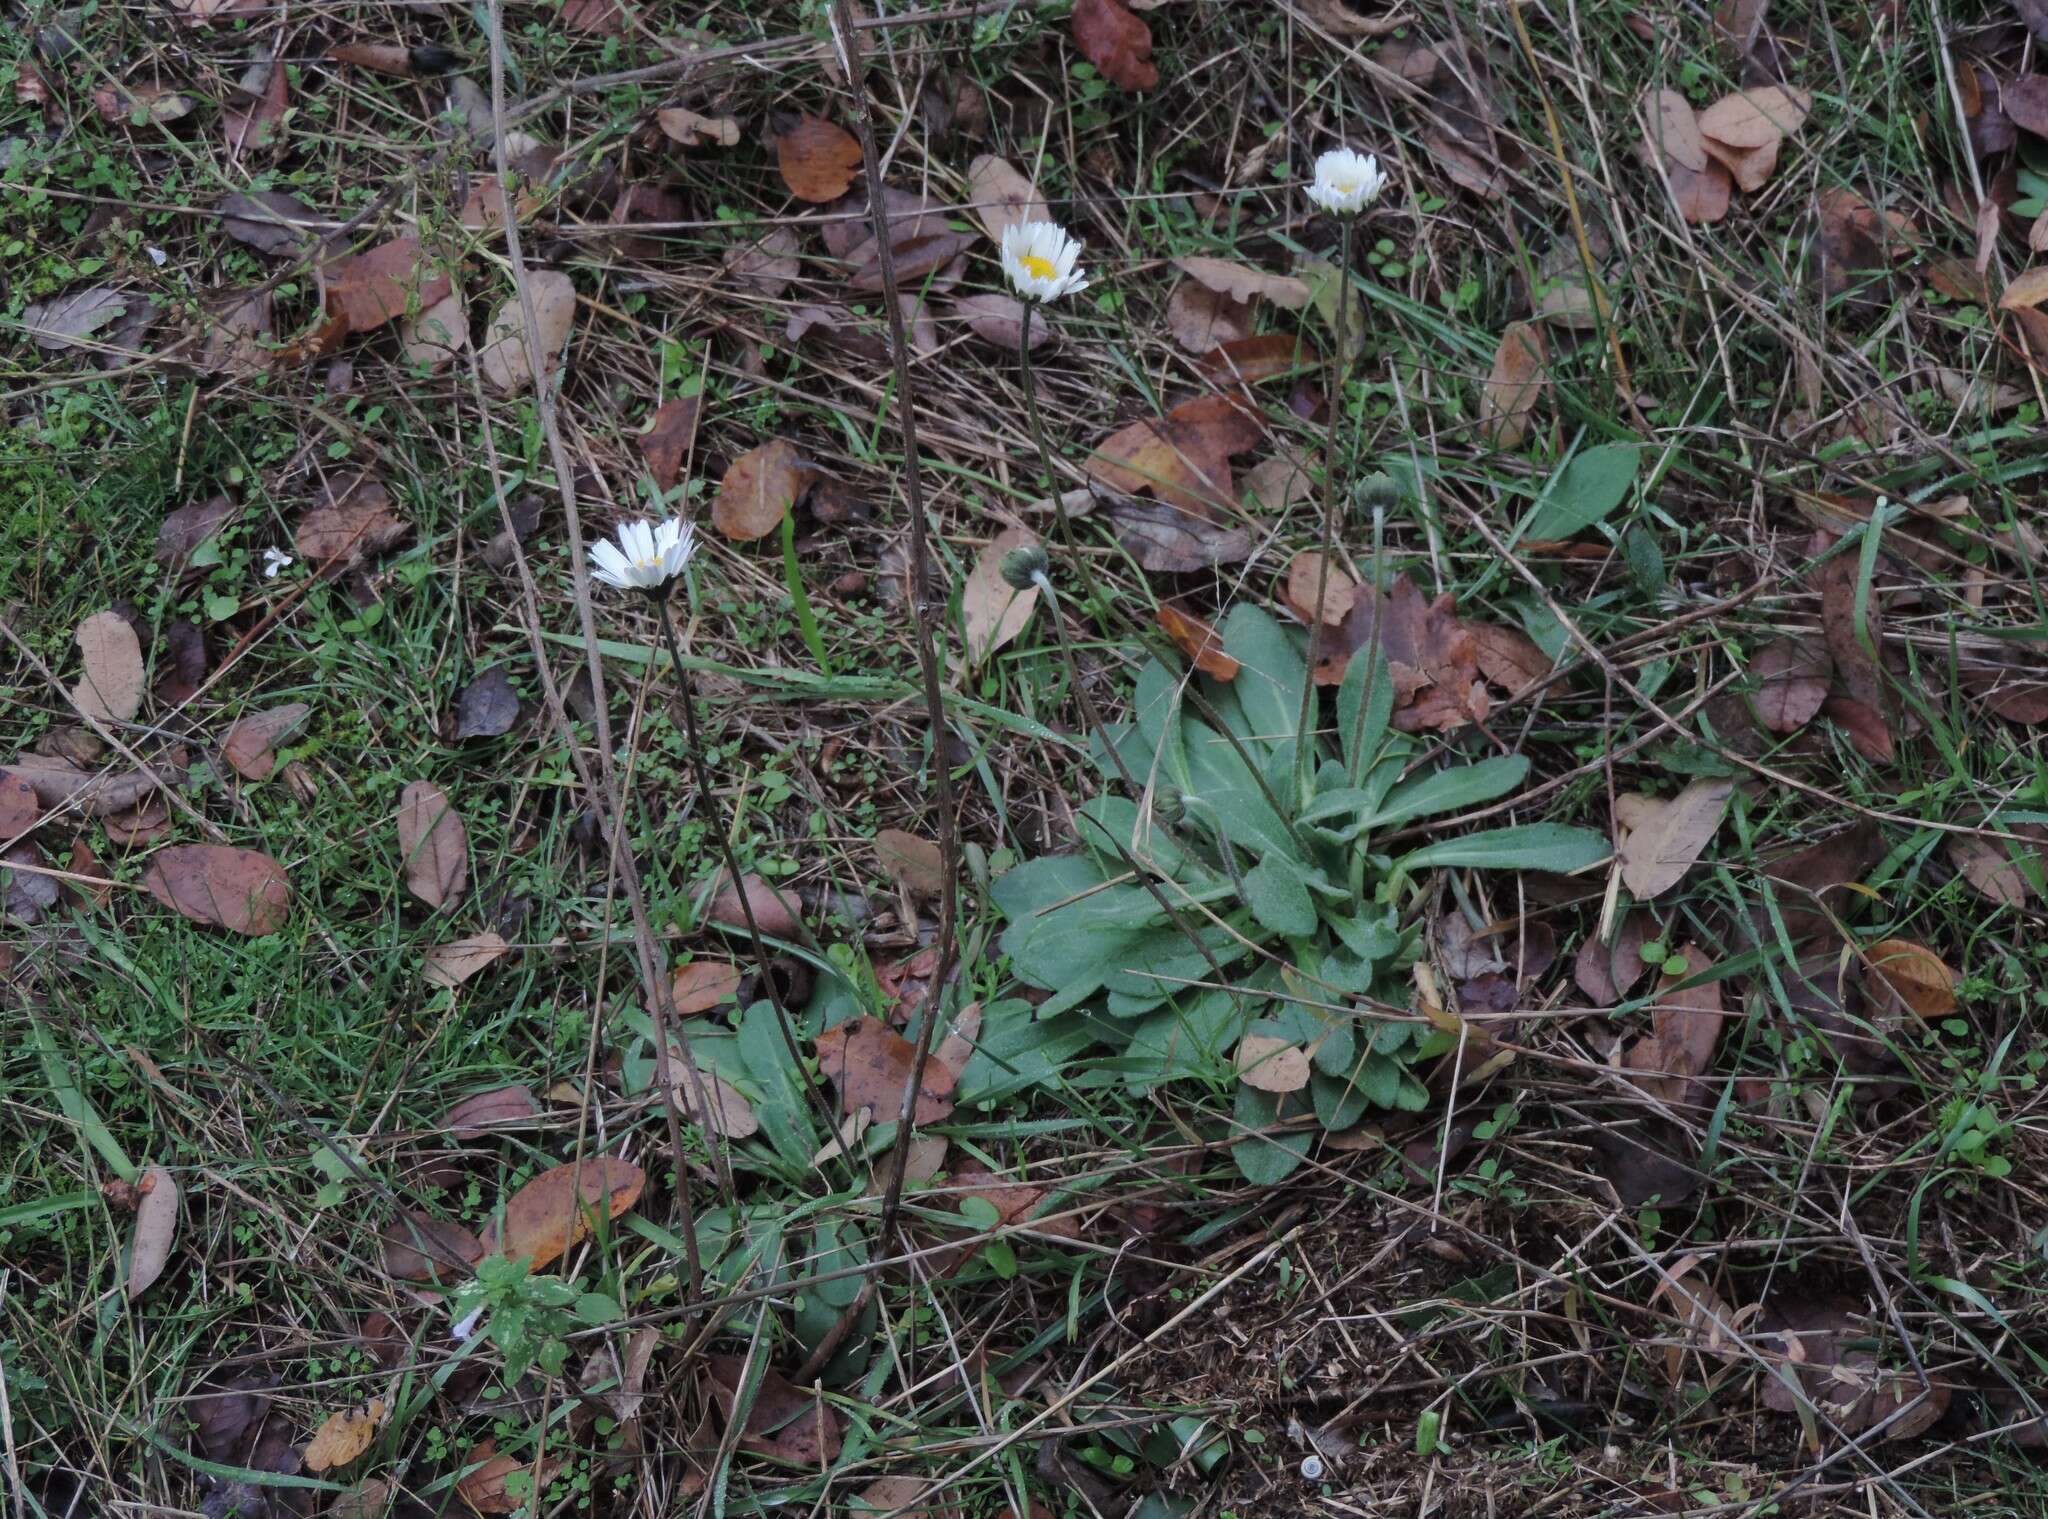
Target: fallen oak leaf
509	348
355	520
702	985
490	1478
915	864
433	844
1792	683
671	433
1000	197
483	1113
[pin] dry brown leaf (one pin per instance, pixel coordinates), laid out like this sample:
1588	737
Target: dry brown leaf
1195	638
433	845
1674	131
421	1248
552	1212
1750	168
999	196
241	890
381	285
255	108
993	610
483	1113
1167	540
1516	385
1665	838
250	746
1272	1064
344	1435
1182	458
915	864
768	265
818	160
1792	683
110	686
1243	283
436	336
758	490
452	964
158	1210
1684	1028
1920	977
870	1064
506	357
1983	863
2029	288
702	984
1306	572
775	912
693	130
1254	360
1756	117
710	1102
670	435
355	520
785	1421
488	1488
1200	318
1116	42
1274	484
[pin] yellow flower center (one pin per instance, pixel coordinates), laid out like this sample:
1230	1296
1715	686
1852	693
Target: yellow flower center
1038	268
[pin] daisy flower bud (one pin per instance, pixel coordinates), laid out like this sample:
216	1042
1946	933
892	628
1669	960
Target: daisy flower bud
1042	261
1378	489
1022	568
645	557
1346	182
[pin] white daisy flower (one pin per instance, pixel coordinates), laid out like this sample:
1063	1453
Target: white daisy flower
1346	182
1041	258
646	557
275	559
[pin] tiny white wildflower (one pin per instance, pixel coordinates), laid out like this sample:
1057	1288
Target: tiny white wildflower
645	557
1042	261
466	1325
275	559
1346	182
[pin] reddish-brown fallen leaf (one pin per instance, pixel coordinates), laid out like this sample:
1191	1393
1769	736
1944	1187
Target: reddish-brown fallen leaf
1432	656
600	18
1918	976
158	1210
1749	168
1310	575
453	963
1815	1341
553	1211
775	912
420	1248
380	285
354	520
1507	656
913	863
994	611
1508	402
784	1421
1982	862
250	746
1702	198
1756	118
1182	458
1243	283
758	490
1201	319
433	845
669	436
483	1113
702	984
489	1488
1859	703
1684	1028
1674	130
19	809
818	159
241	890
710	1102
1116	42
255	109
344	1435
1792	683
1199	641
870	1063
1255	360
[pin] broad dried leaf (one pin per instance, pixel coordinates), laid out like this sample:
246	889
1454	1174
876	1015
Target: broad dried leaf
450	965
999	196
1431	656
381	285
818	160
1116	42
2028	289
507	357
437	335
433	845
140	104
1684	1028
250	746
1702	199
157	1214
489	1489
917	865
182	531
1674	130
1756	117
711	1103
1164	539
483	1113
702	985
1310	574
342	1436
1792	683
487	707
1984	864
1665	838
999	319
693	130
1508	657
270	221
599	18
110	687
1272	1064
1183	458
670	435
784	1421
994	611
19	809
241	890
1244	283
1200	318
775	912
1750	168
1818	1343
240	340
1277	483
1508	402
69	321
1920	978
758	490
1195	638
548	1215
870	1063
354	521
1254	360
1859	703
768	265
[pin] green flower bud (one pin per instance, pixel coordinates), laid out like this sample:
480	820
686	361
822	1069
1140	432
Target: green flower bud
1168	806
1378	489
1022	567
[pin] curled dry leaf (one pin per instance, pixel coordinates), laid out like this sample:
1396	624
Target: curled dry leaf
1195	638
1272	1064
818	160
694	130
450	965
999	196
433	844
1792	683
670	435
482	1113
355	520
382	284
342	1436
1255	360
110	686
159	1207
1116	42
1508	402
140	104
507	355
1244	283
1665	838
1918	976
241	890
994	611
871	1064
915	864
250	746
553	1211
702	985
758	490
490	1479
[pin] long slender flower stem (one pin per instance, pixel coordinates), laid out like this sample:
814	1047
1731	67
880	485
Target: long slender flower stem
1083	571
1339	371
